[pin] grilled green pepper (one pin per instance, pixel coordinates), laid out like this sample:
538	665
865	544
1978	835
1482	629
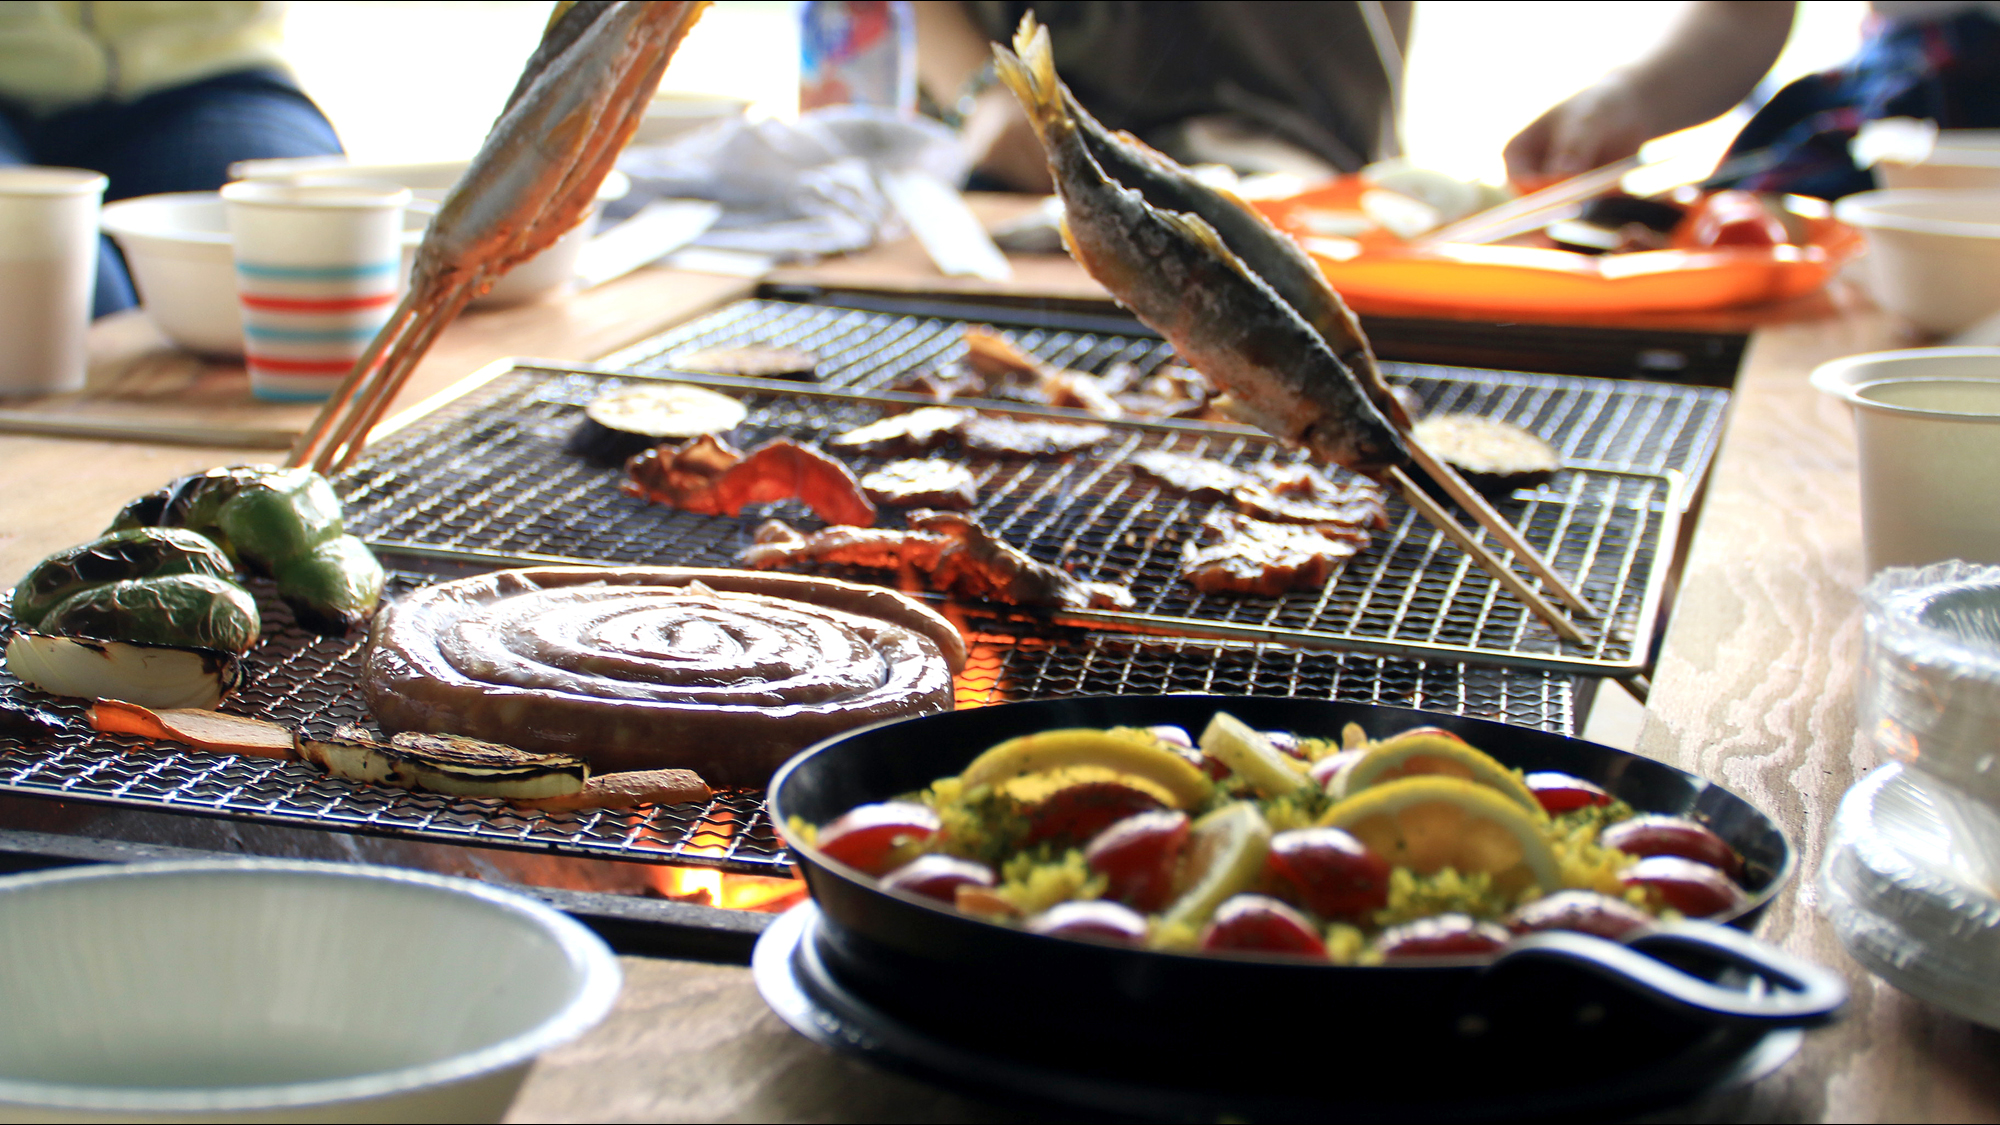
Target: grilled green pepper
149	552
285	523
185	610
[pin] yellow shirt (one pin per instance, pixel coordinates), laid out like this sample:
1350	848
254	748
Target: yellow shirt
60	53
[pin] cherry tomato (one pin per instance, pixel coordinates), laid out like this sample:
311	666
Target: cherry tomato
1729	218
1333	874
1582	911
1137	856
1263	924
1695	889
1081	811
938	876
1446	935
1670	835
870	837
1105	921
1327	768
1560	793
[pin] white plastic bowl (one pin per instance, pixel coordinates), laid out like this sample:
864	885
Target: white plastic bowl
281	991
1933	256
1840	377
551	271
178	248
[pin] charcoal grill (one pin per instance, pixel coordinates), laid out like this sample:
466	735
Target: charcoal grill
477	485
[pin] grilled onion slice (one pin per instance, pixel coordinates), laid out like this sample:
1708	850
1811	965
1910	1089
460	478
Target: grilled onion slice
147	674
445	763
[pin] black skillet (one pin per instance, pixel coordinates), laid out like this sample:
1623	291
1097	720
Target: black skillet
1552	1012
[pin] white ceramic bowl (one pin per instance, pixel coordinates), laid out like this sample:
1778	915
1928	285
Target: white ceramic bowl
551	271
1933	256
178	248
1959	159
281	991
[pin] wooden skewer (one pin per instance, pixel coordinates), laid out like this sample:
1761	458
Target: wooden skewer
1490	519
1444	521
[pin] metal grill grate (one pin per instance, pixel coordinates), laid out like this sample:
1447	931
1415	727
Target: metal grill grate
1610	424
309	682
488	475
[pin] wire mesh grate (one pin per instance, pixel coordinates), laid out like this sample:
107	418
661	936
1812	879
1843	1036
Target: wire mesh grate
310	683
1612	424
489	474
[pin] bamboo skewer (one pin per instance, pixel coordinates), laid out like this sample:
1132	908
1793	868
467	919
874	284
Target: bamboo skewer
1444	521
1495	523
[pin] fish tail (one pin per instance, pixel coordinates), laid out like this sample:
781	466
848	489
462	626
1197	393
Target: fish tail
1031	75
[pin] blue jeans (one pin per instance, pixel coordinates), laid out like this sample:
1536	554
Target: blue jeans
180	139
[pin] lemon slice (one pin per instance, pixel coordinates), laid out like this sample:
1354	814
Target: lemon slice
1430	751
1225	856
1251	756
1430	823
1133	753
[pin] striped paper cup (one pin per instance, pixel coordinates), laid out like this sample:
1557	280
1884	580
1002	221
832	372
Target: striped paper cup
318	267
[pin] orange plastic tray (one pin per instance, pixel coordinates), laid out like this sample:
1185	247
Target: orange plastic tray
1531	279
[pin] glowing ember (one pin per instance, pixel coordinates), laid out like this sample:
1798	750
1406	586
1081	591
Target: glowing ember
706	886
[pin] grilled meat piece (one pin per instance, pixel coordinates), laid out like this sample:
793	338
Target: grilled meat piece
756	360
779	544
919	431
1198	477
929	483
1301	494
1235	554
954	554
1008	437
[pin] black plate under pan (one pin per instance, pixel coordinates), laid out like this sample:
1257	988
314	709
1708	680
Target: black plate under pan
1554	1013
795	982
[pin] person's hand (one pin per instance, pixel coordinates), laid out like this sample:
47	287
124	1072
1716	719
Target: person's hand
1592	128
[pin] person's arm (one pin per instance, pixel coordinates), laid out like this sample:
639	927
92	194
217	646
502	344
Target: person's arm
1710	61
951	50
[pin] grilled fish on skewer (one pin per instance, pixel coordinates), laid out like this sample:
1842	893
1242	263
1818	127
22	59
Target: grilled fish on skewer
576	106
1271	255
1173	272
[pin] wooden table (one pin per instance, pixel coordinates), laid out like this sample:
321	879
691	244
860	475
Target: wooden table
1754	688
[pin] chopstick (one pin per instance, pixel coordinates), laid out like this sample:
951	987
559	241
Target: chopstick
1444	521
1489	518
1533	210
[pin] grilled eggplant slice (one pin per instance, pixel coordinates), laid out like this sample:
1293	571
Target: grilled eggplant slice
617	425
182	610
147	552
150	675
445	763
1495	457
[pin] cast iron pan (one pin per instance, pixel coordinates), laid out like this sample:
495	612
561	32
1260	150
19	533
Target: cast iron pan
1553	1011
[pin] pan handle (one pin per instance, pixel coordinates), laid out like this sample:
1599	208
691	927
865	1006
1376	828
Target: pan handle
1796	993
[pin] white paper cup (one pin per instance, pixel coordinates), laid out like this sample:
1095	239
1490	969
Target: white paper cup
48	267
1930	452
317	268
